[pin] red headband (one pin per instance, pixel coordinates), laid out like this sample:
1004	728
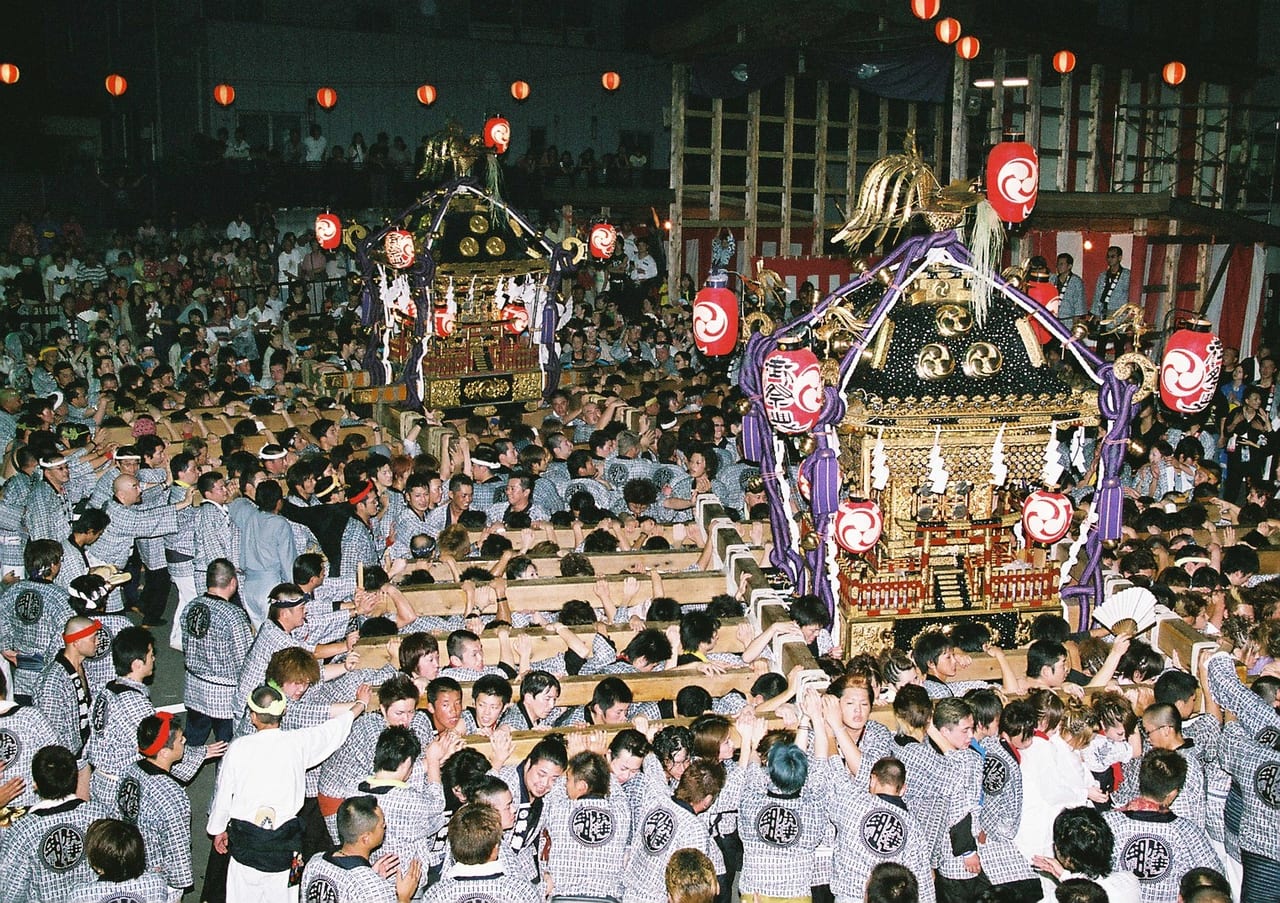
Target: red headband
362	494
82	632
162	738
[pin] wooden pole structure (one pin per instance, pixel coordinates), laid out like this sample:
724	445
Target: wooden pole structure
717	154
959	124
817	246
1120	141
1031	118
1066	110
851	154
751	209
675	243
996	125
1095	114
788	162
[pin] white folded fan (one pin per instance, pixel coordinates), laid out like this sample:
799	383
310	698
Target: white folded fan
1136	604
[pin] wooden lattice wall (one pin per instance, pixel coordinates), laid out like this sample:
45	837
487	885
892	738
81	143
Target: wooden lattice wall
780	158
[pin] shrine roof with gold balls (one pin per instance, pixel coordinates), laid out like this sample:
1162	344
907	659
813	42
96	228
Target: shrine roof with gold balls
477	230
932	353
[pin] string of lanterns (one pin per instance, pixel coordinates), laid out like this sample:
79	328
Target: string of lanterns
224	95
427	94
949	31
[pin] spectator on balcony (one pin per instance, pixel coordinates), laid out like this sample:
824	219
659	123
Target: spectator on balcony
237	148
398	156
59	277
314	147
239	229
290	259
358	154
291	148
48	232
22	237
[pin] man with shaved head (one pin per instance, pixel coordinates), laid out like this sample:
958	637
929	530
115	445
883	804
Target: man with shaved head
131	522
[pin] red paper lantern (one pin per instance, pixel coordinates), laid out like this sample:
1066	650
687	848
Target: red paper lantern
715	316
515	317
224	95
858	526
497	134
116	85
1190	369
802	486
947	30
426	95
1046	516
1041	288
1013	178
443	321
925	9
328	231
612	81
1064	61
792	390
9	73
1174	73
968	47
520	90
399	249
327	97
603	240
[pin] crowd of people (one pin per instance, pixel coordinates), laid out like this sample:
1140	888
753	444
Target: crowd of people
169	470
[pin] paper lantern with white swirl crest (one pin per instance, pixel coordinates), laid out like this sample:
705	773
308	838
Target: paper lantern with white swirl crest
1046	516
715	317
497	134
328	231
1013	178
858	525
1191	368
602	241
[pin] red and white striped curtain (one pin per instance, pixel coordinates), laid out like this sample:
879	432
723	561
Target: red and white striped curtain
1235	307
826	273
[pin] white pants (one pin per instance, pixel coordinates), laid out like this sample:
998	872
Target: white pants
186	592
1232	870
246	885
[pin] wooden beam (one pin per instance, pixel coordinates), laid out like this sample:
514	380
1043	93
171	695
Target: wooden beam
788	161
1031	117
717	150
959	166
1200	165
563	536
817	246
652	686
549	594
1169	301
851	172
1066	102
524	741
882	136
1173	157
939	133
675	247
1120	140
996	123
752	201
376	651
1091	155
